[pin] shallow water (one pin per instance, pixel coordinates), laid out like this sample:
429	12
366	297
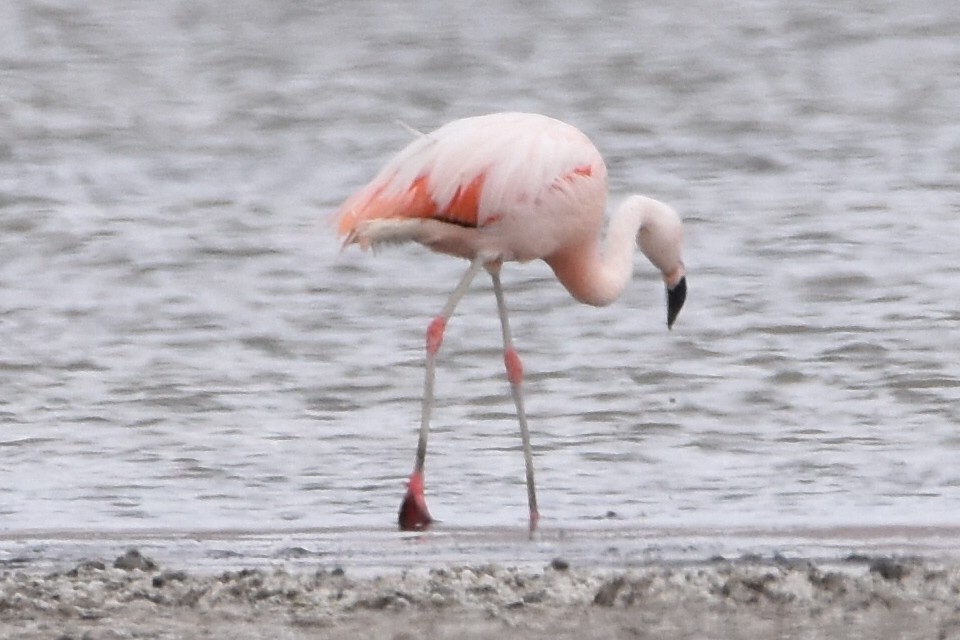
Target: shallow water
182	347
384	551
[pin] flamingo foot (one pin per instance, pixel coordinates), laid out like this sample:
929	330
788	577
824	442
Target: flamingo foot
414	515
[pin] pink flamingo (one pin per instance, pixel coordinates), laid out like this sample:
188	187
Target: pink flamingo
510	187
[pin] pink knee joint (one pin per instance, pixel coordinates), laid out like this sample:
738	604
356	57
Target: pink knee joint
435	335
514	367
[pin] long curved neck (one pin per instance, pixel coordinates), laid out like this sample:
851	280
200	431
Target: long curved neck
598	277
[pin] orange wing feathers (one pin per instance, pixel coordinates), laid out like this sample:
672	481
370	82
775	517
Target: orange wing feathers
464	209
477	171
416	201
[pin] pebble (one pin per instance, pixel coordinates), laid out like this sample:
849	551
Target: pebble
888	568
559	564
134	560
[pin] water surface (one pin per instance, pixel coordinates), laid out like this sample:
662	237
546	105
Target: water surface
182	346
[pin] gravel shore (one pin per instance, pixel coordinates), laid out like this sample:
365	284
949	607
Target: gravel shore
750	597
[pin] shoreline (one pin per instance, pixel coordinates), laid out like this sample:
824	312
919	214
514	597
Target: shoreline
374	551
461	584
750	597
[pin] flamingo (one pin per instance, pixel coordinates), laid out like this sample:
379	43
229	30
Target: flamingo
510	187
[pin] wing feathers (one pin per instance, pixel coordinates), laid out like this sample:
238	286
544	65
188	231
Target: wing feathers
474	171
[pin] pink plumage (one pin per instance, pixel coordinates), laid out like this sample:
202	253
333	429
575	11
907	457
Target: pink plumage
503	175
511	187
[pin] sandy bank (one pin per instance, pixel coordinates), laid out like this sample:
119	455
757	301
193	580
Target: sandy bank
751	597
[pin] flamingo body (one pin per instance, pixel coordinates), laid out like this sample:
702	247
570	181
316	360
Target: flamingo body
514	186
511	187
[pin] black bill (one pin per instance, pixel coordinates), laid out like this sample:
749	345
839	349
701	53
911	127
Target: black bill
675	299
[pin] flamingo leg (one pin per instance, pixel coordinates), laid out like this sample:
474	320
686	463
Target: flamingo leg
414	514
515	374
